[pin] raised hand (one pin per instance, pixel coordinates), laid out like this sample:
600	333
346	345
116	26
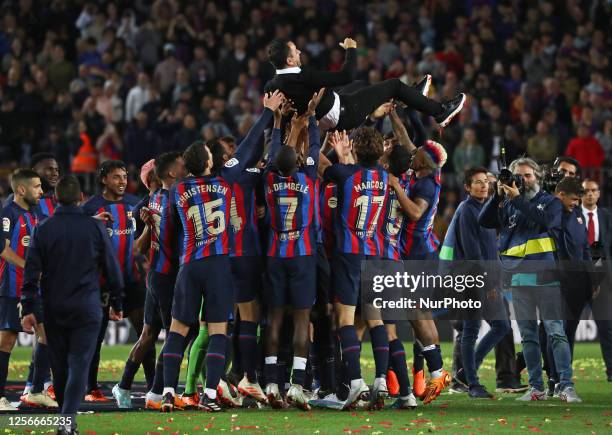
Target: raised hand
348	43
383	110
274	100
340	142
314	102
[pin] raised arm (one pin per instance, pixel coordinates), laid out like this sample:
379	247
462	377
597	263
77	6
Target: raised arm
399	129
314	147
332	79
247	153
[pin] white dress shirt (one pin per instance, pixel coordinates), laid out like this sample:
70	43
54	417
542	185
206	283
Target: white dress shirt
585	213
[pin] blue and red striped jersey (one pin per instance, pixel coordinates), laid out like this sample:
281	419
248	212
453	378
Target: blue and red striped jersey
163	254
46	206
328	205
243	212
362	193
121	229
17	226
202	205
291	201
418	238
395	221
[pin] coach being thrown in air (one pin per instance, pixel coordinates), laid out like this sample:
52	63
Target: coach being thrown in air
66	255
348	108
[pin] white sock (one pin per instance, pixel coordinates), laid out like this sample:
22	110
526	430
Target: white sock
271	359
299	363
27	389
436	373
168	390
48	384
210	393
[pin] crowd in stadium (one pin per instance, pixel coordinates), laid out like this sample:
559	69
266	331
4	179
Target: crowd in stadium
131	98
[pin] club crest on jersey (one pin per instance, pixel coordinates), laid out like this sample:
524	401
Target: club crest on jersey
110	232
310	161
291	235
579	219
254	170
25	241
6	224
231	163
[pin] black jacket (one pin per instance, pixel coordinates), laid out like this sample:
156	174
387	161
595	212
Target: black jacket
62	271
300	86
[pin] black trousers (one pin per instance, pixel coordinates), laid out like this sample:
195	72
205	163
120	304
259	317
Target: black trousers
356	106
505	361
70	351
92	380
457	359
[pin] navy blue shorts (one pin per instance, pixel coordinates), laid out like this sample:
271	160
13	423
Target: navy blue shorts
292	281
158	303
346	278
209	278
247	272
134	294
9	314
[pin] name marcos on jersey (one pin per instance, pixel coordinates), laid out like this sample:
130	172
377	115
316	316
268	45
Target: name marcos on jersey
368	185
196	190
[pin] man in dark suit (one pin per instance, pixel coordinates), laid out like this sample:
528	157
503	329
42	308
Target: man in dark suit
347	109
598	222
61	286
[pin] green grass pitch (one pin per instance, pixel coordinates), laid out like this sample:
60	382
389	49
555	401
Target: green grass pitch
448	414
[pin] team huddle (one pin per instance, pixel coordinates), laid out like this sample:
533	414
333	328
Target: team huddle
254	253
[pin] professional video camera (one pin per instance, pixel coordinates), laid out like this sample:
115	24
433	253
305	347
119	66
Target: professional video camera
506	176
550	178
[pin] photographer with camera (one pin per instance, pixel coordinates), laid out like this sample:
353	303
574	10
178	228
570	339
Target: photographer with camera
526	216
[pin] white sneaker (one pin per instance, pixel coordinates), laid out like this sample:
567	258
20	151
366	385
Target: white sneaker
5	405
123	397
330	401
225	396
358	387
252	389
40	400
275	400
297	398
378	394
408	402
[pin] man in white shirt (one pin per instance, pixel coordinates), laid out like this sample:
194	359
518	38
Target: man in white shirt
137	97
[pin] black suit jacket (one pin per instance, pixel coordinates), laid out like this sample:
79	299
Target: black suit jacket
604	216
299	87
